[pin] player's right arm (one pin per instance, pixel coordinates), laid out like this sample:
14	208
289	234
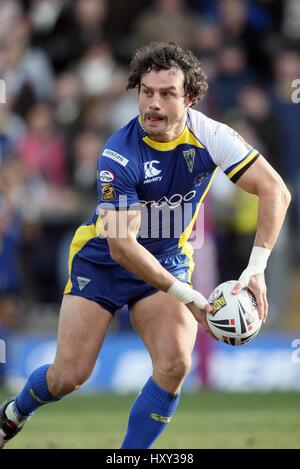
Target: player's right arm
121	228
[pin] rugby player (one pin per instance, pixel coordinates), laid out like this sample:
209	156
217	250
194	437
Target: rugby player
164	160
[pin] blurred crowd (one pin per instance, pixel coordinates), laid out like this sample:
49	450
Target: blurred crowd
65	64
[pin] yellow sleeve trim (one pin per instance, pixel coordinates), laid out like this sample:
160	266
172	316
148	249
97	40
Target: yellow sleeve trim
242	164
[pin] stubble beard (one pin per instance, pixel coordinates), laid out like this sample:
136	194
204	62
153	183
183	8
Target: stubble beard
161	131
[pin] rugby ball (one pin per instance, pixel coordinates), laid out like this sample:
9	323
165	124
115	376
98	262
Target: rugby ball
234	319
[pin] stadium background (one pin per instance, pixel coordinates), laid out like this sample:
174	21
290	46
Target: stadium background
63	66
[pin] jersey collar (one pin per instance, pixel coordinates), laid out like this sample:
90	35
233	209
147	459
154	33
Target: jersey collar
186	137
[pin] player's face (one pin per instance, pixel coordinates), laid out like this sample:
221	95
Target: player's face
163	104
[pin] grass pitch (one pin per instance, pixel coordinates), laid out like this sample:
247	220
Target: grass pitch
203	420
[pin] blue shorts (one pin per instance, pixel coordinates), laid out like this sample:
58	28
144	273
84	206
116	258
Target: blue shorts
94	275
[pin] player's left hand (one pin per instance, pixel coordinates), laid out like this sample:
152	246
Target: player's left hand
257	286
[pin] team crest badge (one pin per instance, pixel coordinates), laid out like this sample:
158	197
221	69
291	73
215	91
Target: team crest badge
82	282
108	191
189	156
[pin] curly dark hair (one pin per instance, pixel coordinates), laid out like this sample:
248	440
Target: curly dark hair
163	56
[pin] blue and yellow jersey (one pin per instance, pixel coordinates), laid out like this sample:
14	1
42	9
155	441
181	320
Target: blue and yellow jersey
168	181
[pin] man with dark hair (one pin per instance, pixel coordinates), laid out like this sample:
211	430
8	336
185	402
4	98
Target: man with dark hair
163	160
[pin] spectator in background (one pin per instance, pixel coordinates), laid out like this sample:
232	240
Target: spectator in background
10	272
67	112
286	69
165	20
68	100
12	128
233	15
98	72
10	12
42	148
208	38
255	103
233	74
287	115
94	114
26	71
68	28
85	151
53	30
121	109
208	43
291	19
90	15
245	21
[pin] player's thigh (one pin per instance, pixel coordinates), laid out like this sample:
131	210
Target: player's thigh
166	326
81	331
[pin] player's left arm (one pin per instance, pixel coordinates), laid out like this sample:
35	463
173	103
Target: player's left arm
274	198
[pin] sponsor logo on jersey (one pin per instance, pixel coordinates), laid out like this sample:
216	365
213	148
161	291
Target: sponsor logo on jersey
108	191
218	303
174	201
189	156
82	282
113	155
106	176
151	172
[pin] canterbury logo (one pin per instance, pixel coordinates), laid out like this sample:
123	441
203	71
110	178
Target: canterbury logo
160	418
150	170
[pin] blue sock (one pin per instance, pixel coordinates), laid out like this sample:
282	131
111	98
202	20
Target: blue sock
151	412
34	394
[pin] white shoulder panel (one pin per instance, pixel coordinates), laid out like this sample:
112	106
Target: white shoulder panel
225	146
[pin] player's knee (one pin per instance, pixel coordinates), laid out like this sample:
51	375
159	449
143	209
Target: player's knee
65	382
176	366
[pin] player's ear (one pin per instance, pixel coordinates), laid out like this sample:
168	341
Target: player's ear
189	100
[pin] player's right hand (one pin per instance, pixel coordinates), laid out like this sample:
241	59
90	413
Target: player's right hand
200	315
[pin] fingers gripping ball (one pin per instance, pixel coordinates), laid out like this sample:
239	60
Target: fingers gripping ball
235	319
